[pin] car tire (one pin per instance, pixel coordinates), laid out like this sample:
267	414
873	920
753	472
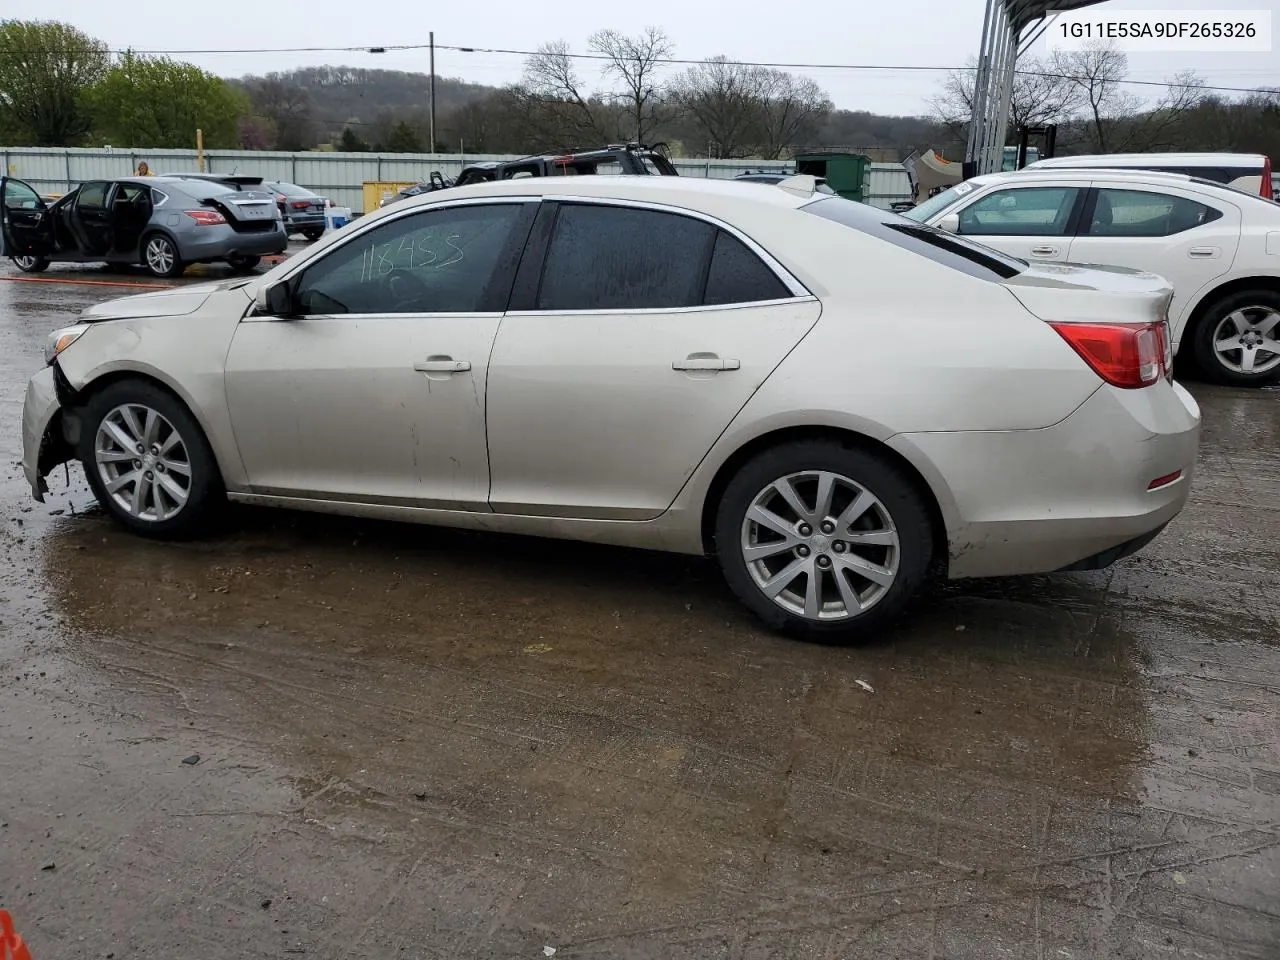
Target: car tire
172	489
160	256
1236	341
243	264
313	235
31	264
875	523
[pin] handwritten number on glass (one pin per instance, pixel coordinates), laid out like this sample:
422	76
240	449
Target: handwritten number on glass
422	252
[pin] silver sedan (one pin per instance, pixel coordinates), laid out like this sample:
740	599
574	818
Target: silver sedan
830	399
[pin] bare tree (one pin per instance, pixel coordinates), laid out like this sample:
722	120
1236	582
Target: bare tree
1097	73
1039	97
287	105
1158	126
790	109
634	63
558	109
723	100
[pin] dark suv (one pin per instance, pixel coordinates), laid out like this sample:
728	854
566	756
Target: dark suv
613	160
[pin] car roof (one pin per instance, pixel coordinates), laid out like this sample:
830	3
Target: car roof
1092	173
675	191
1138	159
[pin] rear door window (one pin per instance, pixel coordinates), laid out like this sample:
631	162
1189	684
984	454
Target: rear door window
602	257
1145	213
622	258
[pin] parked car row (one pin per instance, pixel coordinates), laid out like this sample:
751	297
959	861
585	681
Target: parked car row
688	365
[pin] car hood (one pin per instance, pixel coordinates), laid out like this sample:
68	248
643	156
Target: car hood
175	302
1089	293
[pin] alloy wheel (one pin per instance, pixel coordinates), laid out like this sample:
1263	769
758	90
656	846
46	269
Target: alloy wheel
143	462
820	545
25	263
160	255
1248	340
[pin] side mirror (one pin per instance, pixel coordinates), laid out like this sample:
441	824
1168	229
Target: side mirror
950	223
275	300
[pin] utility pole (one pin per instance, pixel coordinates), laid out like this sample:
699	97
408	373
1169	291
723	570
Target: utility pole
431	39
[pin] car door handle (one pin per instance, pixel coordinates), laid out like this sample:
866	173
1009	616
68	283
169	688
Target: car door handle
442	365
1203	253
705	361
1044	251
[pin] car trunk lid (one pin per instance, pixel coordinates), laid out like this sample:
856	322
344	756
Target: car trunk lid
1069	292
247	211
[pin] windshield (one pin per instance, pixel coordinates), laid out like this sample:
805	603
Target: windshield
923	211
206	188
292	190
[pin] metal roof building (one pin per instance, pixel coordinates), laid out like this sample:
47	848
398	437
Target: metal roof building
1009	27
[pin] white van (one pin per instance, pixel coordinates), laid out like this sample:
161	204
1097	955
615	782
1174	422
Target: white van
1250	172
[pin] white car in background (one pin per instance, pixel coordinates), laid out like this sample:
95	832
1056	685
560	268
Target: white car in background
1219	247
827	397
1250	172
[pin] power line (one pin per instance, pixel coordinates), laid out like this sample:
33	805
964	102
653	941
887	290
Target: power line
377	49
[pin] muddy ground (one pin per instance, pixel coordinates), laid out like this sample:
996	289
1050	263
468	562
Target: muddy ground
416	743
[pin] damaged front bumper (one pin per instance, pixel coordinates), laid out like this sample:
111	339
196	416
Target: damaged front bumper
43	444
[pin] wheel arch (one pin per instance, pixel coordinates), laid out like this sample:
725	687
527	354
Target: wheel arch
850	438
1238	285
150	230
78	398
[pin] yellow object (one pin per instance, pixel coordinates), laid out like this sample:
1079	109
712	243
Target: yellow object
375	191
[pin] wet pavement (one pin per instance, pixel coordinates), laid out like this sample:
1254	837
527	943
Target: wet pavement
421	743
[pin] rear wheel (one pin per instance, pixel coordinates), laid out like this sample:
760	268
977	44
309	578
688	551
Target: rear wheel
313	233
148	461
823	541
1237	340
243	264
160	255
30	264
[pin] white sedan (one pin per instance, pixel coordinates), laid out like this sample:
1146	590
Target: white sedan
829	398
1219	247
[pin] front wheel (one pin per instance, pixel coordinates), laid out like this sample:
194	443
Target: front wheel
243	264
160	255
1237	340
313	233
148	461
823	541
30	264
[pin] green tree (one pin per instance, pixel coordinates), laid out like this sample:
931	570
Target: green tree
158	102
402	138
352	142
46	69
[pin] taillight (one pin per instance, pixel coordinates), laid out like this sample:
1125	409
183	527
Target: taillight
1129	355
206	218
1166	349
1266	189
281	198
301	204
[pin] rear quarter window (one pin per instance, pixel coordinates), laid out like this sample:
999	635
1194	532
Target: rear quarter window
931	243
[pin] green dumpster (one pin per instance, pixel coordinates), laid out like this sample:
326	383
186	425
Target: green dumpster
846	173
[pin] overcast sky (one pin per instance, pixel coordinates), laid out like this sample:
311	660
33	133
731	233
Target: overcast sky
926	33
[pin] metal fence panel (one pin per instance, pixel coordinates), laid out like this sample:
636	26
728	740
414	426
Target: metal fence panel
339	176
